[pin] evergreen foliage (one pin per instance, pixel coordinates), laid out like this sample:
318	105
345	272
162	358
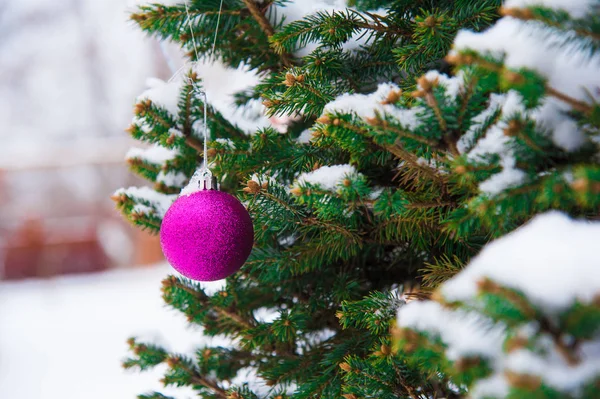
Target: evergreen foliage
413	188
496	334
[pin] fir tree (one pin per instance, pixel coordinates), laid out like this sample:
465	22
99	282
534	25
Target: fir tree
401	180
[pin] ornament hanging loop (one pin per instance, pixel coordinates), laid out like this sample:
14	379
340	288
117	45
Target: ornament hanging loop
206	180
204	176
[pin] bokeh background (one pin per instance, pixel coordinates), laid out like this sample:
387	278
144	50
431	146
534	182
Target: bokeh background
75	279
69	73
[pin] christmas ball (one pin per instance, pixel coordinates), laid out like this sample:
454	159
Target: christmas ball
207	235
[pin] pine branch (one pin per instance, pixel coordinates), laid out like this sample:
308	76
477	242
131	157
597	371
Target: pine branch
411	159
522	304
267	28
172	281
196	378
517	78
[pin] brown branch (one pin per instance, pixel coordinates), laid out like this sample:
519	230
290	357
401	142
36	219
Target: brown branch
467	94
156	14
313	221
448	139
525	14
195	144
409	158
266	27
279	201
576	104
402	133
137	162
399	152
411	392
383	28
196	378
425	205
566	351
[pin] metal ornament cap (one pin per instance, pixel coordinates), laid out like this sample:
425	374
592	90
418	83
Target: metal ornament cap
207	235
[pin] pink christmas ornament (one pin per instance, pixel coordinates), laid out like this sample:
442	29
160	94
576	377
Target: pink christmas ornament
207	235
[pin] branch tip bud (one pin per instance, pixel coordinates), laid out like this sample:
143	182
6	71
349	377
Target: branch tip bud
252	187
346	367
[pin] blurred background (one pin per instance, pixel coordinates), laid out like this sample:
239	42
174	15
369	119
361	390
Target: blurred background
69	73
75	279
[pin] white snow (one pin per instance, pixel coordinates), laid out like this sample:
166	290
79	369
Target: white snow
452	327
466	140
160	202
553	260
496	142
547	364
297	10
553	369
577	8
509	177
525	44
248	375
494	386
314	338
156	154
227	142
65	337
365	106
565	133
171	178
327	177
452	84
305	137
266	315
142	209
220	84
164	93
163	2
568	69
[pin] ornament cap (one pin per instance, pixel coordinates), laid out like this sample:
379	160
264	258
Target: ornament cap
206	180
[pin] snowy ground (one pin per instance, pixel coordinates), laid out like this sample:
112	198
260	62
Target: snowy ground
64	338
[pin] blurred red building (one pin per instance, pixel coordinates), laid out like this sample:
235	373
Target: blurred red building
67	223
69	75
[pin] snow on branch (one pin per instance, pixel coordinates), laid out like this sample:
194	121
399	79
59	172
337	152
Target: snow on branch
153	200
328	177
367	105
156	154
553	260
521	314
577	8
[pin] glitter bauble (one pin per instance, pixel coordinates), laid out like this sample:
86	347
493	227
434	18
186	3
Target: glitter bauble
207	235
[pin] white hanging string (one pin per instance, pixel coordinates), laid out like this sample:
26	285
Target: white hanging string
205	171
